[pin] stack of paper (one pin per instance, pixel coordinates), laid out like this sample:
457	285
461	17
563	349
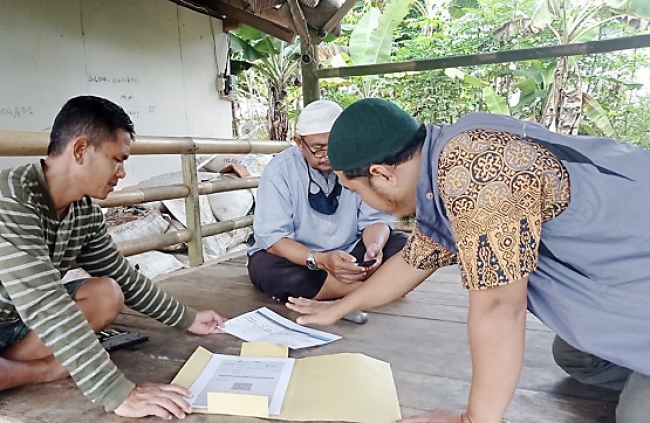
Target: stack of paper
265	325
225	377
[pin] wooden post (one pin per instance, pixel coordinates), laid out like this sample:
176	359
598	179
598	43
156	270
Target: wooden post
192	210
309	67
308	54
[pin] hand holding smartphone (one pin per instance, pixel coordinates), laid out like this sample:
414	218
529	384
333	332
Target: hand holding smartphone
367	263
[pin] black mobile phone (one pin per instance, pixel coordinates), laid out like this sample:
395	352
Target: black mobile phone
367	263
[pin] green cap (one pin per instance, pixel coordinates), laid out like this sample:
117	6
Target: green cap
367	132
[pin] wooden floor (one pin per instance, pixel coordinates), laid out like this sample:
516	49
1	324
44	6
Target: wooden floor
423	336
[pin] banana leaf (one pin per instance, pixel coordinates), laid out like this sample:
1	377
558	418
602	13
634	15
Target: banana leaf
381	39
594	112
494	102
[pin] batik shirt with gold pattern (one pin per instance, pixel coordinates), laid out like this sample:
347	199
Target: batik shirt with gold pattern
497	189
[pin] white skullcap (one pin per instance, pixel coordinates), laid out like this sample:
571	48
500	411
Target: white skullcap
318	117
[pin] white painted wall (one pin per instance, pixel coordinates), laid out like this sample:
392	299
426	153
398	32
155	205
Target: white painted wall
158	60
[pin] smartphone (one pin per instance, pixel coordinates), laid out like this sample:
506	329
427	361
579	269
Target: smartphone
367	263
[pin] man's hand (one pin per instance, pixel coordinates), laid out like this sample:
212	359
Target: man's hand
315	312
156	399
207	322
373	252
342	266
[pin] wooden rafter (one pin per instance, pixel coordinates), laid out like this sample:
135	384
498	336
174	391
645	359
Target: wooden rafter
283	19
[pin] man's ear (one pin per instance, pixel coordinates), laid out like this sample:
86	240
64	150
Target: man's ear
297	140
383	173
79	148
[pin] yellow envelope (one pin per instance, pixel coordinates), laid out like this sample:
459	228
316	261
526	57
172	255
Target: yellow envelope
338	387
263	349
238	404
341	387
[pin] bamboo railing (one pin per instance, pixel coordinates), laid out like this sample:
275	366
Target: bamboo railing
35	144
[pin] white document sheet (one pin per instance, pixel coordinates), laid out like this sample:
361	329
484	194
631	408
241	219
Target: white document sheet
261	376
267	326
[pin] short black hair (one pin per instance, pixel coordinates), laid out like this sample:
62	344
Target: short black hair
96	118
397	158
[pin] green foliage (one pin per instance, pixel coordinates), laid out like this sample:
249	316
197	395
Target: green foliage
640	8
462	27
278	64
371	41
458	8
632	120
524	86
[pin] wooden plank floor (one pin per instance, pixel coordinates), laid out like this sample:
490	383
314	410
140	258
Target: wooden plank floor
423	336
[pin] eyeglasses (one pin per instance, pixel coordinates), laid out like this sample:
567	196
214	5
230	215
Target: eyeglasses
320	154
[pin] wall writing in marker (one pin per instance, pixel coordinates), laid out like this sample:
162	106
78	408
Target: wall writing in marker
15	112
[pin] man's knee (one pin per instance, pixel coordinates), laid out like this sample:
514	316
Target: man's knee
291	284
279	278
103	299
588	368
395	243
633	405
113	295
569	359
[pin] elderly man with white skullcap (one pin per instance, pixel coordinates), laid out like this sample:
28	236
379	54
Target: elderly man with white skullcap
314	238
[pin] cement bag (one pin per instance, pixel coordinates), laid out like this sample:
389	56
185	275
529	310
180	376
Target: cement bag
212	248
238	237
229	205
155	263
135	225
255	163
217	162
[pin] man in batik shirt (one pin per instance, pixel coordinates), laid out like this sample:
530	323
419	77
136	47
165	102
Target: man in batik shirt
537	220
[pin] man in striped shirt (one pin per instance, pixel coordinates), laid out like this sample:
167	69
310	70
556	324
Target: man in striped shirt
48	224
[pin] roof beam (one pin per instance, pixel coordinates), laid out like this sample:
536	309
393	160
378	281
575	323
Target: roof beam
338	16
271	21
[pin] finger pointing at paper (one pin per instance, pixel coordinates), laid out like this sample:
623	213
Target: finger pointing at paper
207	322
315	312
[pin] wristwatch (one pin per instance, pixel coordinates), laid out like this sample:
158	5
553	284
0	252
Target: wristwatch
311	260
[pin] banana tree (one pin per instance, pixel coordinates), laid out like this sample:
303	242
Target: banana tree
278	62
371	42
530	87
574	22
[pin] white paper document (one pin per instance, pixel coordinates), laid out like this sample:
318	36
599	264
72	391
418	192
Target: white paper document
259	376
267	326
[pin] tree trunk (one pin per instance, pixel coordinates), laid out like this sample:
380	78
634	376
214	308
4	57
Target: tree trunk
553	109
278	116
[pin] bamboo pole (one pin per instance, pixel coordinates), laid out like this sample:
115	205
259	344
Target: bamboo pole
192	210
226	225
309	68
131	196
14	143
211	187
141	245
577	49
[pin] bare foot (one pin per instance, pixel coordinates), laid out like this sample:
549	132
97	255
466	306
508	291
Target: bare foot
21	373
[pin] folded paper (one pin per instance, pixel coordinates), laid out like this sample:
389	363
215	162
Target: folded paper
338	387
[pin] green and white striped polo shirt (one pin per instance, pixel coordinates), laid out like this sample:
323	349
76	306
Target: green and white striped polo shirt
37	249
